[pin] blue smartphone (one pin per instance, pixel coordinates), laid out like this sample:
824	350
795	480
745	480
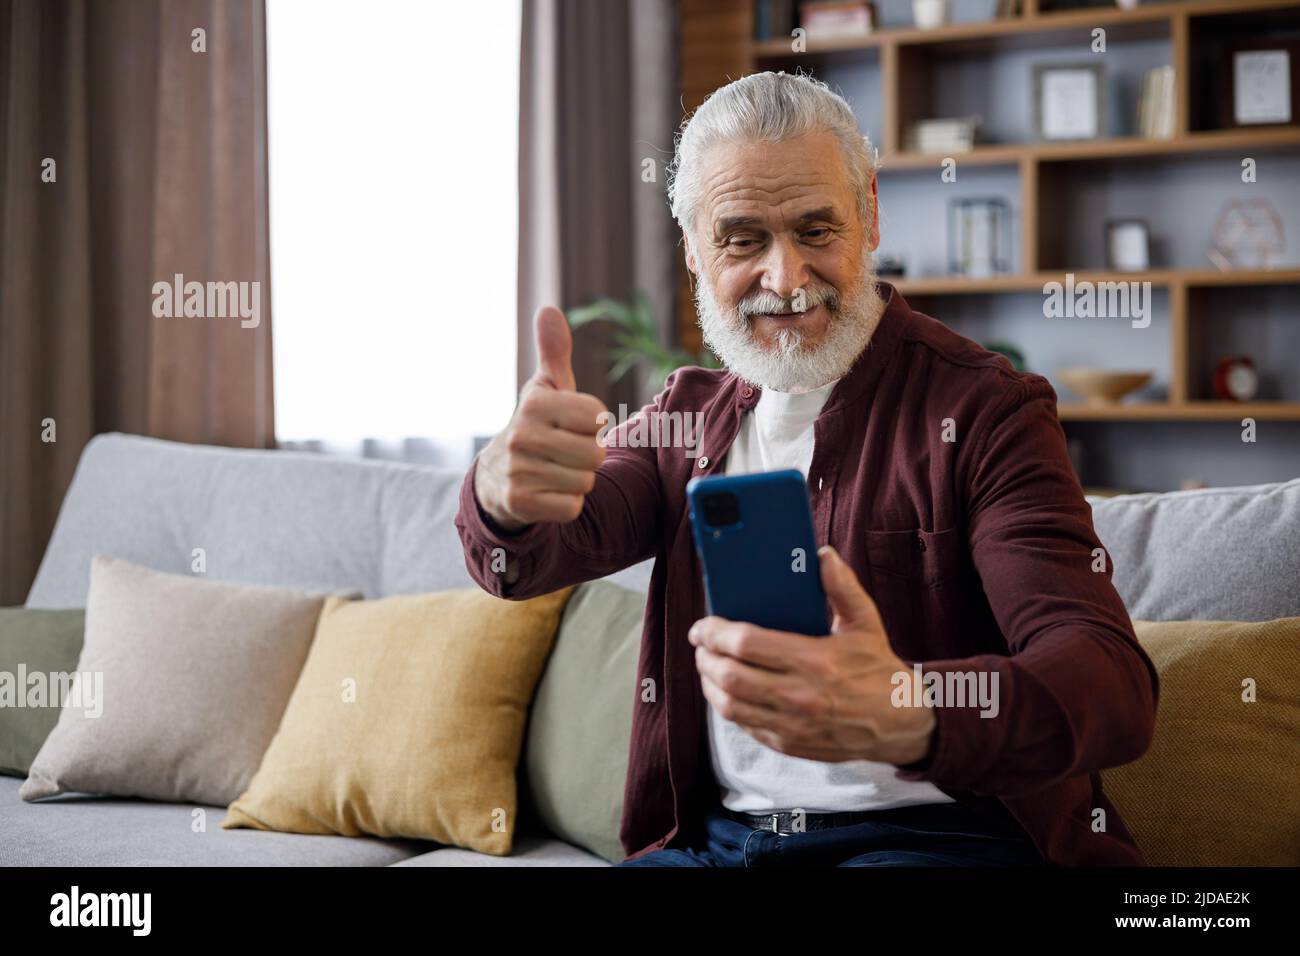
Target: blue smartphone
754	534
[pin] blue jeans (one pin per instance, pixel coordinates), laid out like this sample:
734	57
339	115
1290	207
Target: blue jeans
940	834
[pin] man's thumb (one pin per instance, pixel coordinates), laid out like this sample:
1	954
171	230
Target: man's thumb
852	605
554	349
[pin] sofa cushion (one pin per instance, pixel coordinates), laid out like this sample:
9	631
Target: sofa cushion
82	830
1218	786
1215	554
193	675
528	851
407	721
581	721
38	649
278	518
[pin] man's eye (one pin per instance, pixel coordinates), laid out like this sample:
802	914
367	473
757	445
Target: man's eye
817	234
742	242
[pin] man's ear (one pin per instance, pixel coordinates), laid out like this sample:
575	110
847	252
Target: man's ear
873	224
691	262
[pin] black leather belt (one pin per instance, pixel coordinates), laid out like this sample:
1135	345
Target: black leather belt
788	822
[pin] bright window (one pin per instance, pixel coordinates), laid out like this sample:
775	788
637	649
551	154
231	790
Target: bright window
393	135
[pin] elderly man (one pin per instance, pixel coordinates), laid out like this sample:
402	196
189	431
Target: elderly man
958	550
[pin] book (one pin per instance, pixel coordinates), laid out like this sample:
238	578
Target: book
837	18
943	135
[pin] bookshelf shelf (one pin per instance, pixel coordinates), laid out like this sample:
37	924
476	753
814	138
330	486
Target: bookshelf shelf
1193	144
1164	278
1180	411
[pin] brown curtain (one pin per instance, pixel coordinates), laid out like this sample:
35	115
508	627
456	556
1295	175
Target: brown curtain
598	97
160	169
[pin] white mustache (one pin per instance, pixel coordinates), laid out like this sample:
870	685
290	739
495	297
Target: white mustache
769	303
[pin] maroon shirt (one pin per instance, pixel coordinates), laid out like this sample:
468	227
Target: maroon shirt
978	550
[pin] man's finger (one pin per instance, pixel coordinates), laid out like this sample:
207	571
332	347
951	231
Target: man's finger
554	349
774	690
558	446
545	476
738	711
852	605
776	650
575	412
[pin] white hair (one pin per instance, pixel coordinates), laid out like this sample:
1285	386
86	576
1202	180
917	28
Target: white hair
766	107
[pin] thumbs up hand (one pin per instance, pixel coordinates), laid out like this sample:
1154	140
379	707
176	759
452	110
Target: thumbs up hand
541	467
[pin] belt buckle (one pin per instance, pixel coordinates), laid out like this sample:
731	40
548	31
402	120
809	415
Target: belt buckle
775	828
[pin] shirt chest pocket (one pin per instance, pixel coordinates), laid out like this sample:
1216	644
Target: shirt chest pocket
914	576
929	558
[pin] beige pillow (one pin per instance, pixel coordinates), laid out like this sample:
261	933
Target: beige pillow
407	721
1220	784
195	676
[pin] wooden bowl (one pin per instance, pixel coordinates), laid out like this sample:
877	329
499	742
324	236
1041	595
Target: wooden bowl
1102	387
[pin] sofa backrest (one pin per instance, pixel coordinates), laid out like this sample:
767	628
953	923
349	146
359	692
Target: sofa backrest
1214	554
298	519
293	519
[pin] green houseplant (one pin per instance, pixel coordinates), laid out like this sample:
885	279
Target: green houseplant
636	339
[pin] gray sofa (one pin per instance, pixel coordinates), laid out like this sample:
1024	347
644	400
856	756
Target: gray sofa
307	521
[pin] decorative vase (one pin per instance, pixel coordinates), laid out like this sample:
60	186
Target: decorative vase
928	14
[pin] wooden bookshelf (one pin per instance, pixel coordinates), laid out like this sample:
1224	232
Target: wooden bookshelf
717	45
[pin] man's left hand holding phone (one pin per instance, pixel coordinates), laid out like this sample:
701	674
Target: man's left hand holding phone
826	699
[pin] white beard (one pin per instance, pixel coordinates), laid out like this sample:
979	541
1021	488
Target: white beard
790	366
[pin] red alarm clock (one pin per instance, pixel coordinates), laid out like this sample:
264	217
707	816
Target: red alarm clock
1235	378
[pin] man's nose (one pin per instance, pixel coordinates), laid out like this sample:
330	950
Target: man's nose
784	268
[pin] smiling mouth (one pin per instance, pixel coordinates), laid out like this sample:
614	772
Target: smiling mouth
785	316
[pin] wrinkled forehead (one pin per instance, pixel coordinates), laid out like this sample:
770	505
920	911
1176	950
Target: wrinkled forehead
774	184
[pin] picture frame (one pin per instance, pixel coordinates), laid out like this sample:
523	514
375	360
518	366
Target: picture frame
1262	83
1128	245
1069	101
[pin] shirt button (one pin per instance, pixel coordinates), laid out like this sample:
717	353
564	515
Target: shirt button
704	461
746	392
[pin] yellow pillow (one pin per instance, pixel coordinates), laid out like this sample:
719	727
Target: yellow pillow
1219	786
407	721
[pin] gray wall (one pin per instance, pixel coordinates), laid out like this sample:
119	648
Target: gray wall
1050	344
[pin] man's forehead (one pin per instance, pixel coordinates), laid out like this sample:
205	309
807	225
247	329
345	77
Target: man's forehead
789	180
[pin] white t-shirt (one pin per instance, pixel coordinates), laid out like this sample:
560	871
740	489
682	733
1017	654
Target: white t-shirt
777	434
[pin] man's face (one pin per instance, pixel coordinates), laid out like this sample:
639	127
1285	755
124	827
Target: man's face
778	229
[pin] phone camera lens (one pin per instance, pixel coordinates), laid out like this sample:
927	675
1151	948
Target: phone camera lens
721	509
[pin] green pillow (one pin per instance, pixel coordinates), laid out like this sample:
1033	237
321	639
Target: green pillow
580	725
33	641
